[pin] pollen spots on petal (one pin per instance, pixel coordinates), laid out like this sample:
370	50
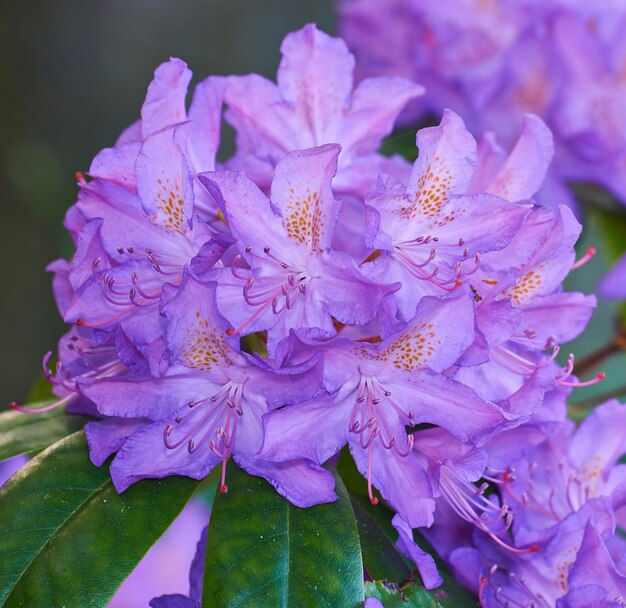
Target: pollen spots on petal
590	472
414	348
410	351
205	348
304	218
527	286
562	567
171	206
431	193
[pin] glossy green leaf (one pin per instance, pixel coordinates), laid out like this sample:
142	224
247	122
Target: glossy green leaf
408	596
413	595
29	433
264	552
378	538
68	539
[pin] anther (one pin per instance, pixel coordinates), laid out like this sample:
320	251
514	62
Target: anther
591	251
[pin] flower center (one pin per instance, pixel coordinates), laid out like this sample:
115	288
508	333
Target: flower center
211	422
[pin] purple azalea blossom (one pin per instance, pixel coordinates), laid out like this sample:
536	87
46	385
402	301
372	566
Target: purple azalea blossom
375	391
164	107
493	62
594	580
146	239
568	469
406	311
613	285
538	576
293	279
424	561
431	233
205	408
523	310
314	104
144	216
547	495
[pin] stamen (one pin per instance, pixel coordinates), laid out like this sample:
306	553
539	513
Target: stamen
39	410
576	384
591	251
223	488
481	591
373	498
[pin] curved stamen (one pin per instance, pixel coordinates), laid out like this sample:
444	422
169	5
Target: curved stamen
576	384
372	498
470	504
39	410
419	273
591	251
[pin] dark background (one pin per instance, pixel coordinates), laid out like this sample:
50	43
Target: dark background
73	74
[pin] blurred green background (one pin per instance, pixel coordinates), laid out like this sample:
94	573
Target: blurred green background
74	74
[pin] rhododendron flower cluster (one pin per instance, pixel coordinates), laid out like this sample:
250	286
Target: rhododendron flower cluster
310	293
493	61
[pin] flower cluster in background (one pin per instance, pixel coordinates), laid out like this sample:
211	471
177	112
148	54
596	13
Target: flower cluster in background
309	293
493	61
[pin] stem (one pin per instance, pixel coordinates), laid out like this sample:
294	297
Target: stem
615	345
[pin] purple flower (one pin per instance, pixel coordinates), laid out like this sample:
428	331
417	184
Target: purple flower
538	576
85	355
548	493
613	285
375	391
570	468
523	310
144	240
205	408
493	62
144	216
287	276
430	233
424	561
589	121
164	107
594	581
314	104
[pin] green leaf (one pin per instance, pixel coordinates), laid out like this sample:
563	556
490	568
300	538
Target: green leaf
264	552
413	595
68	539
409	596
30	433
378	538
400	142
